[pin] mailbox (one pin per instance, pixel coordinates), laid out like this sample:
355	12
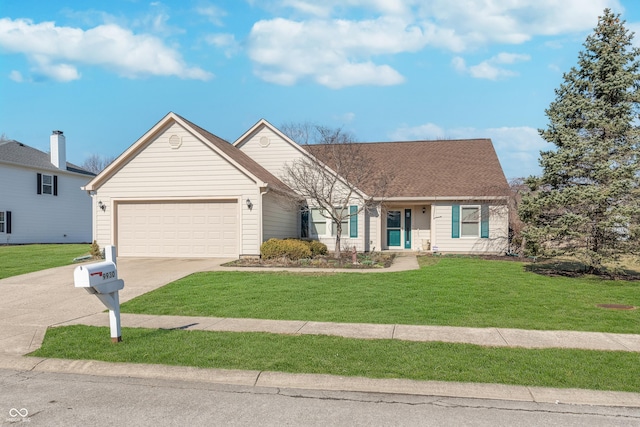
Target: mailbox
100	277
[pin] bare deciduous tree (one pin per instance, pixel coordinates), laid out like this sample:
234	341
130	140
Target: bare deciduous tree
335	176
96	163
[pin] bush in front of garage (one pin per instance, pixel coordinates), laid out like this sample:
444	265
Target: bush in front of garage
292	249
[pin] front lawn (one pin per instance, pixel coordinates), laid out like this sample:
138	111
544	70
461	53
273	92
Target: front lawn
22	259
452	291
598	370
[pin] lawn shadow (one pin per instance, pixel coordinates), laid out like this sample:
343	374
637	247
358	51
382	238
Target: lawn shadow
573	268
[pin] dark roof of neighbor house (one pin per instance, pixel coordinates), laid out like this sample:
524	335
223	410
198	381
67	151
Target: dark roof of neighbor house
240	157
451	168
21	154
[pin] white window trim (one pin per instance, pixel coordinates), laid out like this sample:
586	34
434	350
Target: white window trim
3	222
479	222
50	185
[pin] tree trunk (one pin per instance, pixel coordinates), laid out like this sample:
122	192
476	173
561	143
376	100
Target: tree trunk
336	253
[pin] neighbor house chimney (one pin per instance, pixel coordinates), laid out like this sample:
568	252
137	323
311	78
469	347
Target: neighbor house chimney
58	150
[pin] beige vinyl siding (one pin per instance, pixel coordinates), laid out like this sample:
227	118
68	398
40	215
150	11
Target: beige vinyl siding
279	218
193	171
272	157
498	230
372	229
421	227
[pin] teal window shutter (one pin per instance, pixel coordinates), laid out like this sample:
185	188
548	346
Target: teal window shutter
484	221
353	221
455	221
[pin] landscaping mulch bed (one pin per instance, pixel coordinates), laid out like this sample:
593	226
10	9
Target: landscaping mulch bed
365	261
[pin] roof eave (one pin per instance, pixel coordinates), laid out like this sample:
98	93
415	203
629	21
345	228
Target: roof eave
437	198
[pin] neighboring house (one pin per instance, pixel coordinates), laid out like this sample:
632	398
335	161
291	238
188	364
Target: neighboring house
41	200
182	191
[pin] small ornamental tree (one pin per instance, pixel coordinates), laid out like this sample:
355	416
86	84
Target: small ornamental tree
587	201
332	177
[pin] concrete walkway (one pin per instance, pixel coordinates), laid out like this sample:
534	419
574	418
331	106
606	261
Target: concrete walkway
493	337
35	301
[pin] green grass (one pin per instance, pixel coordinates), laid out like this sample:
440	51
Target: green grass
599	370
21	259
452	291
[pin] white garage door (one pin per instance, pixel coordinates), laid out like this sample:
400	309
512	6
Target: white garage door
178	229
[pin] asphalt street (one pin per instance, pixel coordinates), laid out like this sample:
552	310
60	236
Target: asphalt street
60	399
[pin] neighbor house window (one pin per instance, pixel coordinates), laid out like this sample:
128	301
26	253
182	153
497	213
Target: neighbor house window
47	184
2	222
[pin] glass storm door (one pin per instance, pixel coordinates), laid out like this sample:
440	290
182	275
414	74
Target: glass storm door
394	229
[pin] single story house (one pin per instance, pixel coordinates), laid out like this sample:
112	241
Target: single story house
180	191
41	200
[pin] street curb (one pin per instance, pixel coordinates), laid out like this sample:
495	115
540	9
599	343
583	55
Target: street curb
269	379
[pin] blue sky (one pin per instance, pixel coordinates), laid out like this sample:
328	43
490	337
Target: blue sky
105	72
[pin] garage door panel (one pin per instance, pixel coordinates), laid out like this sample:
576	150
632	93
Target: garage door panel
182	229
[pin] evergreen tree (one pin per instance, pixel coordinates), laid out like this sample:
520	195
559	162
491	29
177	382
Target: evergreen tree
587	201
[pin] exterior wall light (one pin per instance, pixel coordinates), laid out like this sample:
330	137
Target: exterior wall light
249	204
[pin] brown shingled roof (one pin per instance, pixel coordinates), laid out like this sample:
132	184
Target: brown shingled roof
451	168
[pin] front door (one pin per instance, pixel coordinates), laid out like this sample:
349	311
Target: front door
407	228
394	228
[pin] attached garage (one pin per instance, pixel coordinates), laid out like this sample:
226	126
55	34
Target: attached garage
178	228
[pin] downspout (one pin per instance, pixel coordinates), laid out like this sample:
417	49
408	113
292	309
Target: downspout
263	191
94	220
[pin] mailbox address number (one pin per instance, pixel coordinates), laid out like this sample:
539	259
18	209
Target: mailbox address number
108	275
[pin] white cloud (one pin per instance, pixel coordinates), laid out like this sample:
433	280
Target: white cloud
334	53
327	41
426	131
16	76
347	117
225	41
489	69
56	52
213	13
518	148
481	22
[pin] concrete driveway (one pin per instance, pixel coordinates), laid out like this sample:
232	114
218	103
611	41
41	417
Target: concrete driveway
31	302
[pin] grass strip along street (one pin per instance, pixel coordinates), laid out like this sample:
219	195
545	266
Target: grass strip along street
452	291
560	368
